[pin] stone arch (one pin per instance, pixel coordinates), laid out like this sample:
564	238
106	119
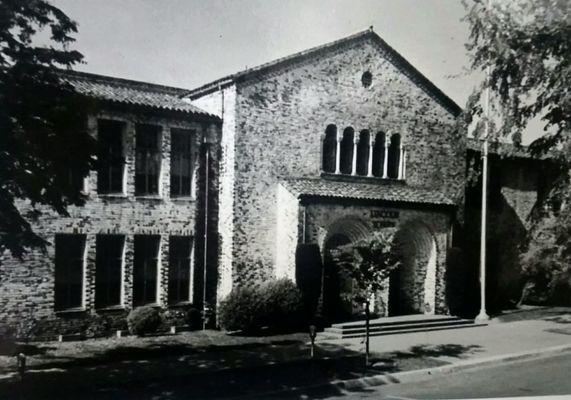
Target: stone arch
345	230
353	227
412	288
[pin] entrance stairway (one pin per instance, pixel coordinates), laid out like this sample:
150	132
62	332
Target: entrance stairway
398	325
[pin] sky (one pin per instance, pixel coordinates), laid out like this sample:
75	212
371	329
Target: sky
187	43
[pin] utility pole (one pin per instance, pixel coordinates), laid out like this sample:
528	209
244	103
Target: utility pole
483	315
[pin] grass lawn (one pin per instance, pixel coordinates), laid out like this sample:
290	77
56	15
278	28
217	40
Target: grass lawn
132	347
203	350
195	361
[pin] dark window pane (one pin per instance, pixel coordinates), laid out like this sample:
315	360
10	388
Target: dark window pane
181	162
69	271
394	157
147	160
346	158
179	268
108	260
145	269
111	159
330	149
379	155
363	153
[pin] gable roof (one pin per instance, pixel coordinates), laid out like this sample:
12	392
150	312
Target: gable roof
129	92
392	55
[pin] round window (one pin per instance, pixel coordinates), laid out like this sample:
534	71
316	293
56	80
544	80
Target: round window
367	79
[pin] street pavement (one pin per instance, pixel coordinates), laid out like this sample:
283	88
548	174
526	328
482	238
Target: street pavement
539	377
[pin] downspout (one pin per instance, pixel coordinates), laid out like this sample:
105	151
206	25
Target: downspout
205	260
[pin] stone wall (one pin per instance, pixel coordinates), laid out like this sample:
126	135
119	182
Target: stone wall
281	117
515	185
287	234
27	285
223	104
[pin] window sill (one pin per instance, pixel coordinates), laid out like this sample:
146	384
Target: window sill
183	198
360	178
180	304
148	197
112	195
153	305
110	308
71	311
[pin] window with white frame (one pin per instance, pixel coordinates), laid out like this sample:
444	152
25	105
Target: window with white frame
69	271
111	159
180	264
145	269
182	162
148	159
108	270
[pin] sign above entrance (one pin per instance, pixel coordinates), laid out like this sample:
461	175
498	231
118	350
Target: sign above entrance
383	224
384	214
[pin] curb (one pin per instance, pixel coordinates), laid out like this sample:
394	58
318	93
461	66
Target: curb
427	373
420	374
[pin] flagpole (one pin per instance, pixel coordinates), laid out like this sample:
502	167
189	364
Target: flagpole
483	315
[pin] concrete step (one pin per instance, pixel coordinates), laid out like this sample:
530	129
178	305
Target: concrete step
400	320
397	325
400	332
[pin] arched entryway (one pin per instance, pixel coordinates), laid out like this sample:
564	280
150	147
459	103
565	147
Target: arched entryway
337	285
412	287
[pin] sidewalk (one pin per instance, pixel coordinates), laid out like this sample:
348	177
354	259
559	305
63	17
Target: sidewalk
503	336
216	367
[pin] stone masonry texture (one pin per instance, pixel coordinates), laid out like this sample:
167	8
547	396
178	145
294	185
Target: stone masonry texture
280	121
27	285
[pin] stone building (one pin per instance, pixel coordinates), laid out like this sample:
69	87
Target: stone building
228	185
326	147
139	239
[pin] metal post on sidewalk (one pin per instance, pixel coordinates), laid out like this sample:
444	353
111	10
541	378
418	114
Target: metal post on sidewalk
483	315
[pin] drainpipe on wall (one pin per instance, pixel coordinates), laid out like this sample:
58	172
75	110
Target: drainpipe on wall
205	260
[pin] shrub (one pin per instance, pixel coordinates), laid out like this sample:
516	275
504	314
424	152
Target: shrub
194	318
98	326
241	310
275	305
282	305
144	320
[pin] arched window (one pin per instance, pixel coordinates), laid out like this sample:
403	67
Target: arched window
347	151
379	154
363	153
329	149
394	157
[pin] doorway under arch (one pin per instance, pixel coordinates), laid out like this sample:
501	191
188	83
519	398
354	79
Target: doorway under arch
337	285
412	287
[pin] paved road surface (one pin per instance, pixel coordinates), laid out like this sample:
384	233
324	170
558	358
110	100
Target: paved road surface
546	376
